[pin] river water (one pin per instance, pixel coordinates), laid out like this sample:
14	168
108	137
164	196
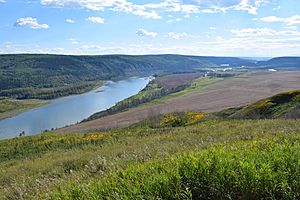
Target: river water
72	109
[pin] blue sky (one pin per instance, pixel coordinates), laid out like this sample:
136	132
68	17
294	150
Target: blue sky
195	27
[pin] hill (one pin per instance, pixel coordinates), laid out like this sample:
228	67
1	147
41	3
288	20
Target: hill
286	63
204	94
204	160
44	76
284	105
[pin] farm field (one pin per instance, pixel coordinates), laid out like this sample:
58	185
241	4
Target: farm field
209	95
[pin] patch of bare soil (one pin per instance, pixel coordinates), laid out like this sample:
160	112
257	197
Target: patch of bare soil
231	92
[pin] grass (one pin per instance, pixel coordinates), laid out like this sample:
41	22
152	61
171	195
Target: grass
283	105
181	119
195	86
11	107
51	165
261	169
157	88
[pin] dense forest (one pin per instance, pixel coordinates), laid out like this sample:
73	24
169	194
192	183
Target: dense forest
46	76
26	76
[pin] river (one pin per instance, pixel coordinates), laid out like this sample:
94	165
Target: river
72	109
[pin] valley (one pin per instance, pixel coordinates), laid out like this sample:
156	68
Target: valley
150	100
204	95
188	133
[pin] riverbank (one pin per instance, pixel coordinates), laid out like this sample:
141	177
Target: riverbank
204	95
158	87
71	109
12	107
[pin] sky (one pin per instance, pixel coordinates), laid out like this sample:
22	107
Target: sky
243	28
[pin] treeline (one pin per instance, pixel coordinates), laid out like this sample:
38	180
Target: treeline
152	91
49	93
24	72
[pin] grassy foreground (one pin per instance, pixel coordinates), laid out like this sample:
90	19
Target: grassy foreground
206	160
11	107
263	169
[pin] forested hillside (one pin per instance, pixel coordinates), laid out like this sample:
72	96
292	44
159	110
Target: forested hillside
23	74
282	63
46	76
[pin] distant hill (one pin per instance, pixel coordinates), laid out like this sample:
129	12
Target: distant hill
28	75
24	73
281	63
284	105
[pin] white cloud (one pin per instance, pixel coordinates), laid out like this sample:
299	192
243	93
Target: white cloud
208	11
31	22
277	7
174	6
2	1
142	32
96	20
74	40
235	46
290	21
177	36
95	5
259	32
70	21
139	10
100	5
151	10
208	6
253	32
251	6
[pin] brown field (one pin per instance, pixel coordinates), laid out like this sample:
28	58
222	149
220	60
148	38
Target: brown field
174	80
232	92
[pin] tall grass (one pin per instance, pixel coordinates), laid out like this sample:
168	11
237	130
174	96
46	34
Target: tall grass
37	166
265	169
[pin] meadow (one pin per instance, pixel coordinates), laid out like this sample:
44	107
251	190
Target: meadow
152	161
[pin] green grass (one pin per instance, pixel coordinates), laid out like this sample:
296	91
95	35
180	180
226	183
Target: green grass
160	87
283	105
11	107
261	169
195	86
49	164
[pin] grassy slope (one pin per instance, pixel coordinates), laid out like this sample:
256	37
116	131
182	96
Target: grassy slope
76	165
283	105
10	107
263	169
195	86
